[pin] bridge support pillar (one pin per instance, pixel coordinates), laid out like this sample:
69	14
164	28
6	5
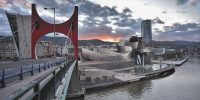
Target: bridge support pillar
74	82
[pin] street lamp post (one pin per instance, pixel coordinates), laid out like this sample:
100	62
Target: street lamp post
54	10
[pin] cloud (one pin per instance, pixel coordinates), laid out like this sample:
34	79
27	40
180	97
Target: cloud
190	2
12	6
23	7
63	7
96	10
164	12
181	27
85	30
16	6
3	3
127	10
178	31
123	22
4	25
158	21
103	36
181	11
193	35
101	19
182	2
96	22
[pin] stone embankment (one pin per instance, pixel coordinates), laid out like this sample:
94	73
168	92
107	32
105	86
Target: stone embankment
125	78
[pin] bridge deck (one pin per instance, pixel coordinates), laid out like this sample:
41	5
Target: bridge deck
12	87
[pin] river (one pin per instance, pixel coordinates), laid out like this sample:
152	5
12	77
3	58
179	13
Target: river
183	84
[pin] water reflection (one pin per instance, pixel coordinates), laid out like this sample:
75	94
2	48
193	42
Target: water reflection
137	89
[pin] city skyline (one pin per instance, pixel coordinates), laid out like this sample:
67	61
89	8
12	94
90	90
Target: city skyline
115	20
116	49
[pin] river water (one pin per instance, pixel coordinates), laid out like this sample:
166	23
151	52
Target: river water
183	84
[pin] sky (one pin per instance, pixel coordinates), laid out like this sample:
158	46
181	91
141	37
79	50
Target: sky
113	20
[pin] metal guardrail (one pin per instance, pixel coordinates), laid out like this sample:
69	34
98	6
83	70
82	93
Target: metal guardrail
62	90
45	87
10	73
16	60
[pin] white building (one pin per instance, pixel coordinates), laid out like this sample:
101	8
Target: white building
44	49
7	50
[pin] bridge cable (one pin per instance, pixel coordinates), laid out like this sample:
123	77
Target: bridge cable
68	38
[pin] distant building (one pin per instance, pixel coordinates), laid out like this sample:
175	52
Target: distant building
44	49
71	51
164	44
7	50
146	32
41	50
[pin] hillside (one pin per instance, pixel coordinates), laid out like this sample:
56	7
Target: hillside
62	41
96	42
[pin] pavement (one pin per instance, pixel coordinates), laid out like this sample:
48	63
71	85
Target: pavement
12	69
13	84
177	63
12	87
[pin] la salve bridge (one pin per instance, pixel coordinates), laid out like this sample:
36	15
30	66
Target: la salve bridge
42	79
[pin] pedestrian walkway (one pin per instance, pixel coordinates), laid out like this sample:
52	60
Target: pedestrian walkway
12	87
177	63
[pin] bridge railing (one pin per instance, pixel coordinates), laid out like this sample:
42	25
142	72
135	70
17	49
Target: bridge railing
45	87
16	60
23	71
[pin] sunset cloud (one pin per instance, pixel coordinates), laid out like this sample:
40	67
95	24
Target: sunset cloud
111	20
102	36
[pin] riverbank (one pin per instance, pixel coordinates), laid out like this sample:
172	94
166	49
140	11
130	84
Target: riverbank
124	79
183	84
136	78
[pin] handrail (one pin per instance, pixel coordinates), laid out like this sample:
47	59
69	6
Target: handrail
66	81
9	73
36	84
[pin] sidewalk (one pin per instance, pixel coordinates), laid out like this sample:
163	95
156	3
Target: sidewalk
12	87
177	63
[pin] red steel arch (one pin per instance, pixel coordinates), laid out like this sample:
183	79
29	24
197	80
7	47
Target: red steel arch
43	28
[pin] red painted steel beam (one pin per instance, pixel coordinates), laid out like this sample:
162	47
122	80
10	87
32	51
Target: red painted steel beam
44	28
